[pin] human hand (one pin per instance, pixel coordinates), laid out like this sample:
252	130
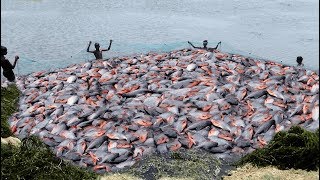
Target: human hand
16	58
189	42
89	42
110	40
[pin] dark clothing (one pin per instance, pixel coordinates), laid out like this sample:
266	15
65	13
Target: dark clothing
7	69
9	75
97	54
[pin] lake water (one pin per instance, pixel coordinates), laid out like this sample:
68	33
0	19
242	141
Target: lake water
50	32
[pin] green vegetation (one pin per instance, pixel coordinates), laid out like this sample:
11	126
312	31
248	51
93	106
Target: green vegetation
297	148
33	159
9	99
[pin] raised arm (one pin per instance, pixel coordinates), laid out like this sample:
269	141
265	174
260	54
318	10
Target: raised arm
15	62
192	45
108	47
89	47
217	45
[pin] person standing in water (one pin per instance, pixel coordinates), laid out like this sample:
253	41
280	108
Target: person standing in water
299	61
205	43
7	67
98	52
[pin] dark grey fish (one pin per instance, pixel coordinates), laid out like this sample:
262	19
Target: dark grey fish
207	145
221	142
127	163
122	158
149	142
171	133
264	127
297	110
58	138
97	142
121	151
231	99
136	92
85	123
98	113
153	111
50	142
81	146
162	148
74	156
39	126
109	157
58	128
74	121
277	78
24	132
242	143
58	112
199	125
181	84
278	117
257	94
87	160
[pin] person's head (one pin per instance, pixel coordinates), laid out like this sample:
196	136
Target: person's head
3	50
299	60
205	43
97	46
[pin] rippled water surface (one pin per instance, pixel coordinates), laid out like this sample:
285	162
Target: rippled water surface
50	32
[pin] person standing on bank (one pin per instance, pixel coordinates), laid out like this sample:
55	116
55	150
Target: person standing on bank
98	52
7	67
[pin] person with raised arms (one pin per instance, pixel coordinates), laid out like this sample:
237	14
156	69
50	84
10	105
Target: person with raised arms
205	43
98	52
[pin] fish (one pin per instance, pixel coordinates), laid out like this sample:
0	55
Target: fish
199	125
116	136
68	134
297	110
97	142
256	94
315	113
72	100
162	148
71	79
96	114
127	163
264	127
180	125
110	157
191	67
58	128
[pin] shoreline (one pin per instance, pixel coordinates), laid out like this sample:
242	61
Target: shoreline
138	54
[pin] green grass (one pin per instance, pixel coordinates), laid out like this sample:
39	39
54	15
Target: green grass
9	99
296	148
33	159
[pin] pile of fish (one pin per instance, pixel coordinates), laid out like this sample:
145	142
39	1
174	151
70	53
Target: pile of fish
108	114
